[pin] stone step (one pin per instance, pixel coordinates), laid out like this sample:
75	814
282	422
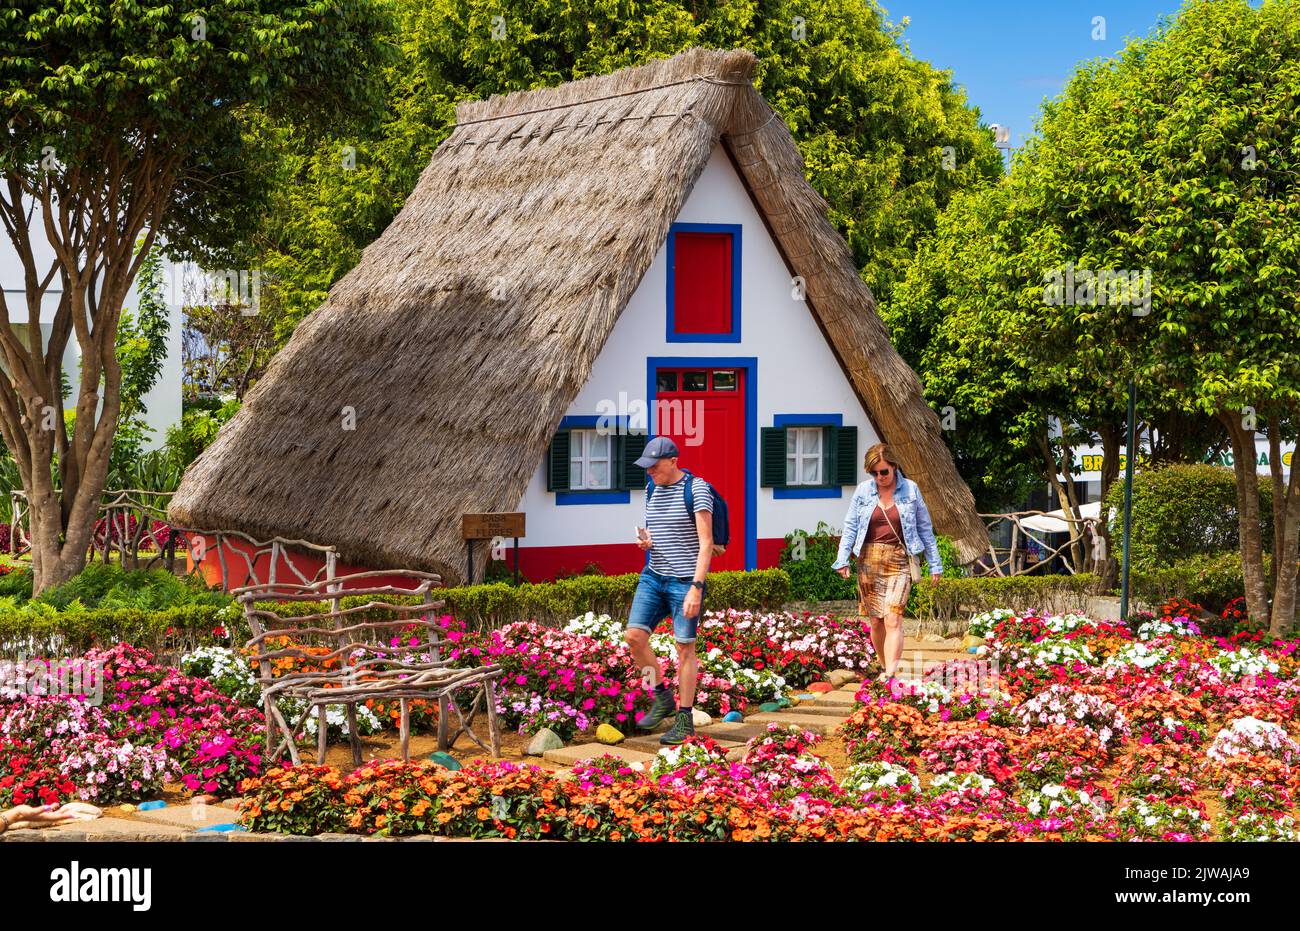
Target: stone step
650	742
811	707
738	731
110	828
817	723
568	756
836	699
189	816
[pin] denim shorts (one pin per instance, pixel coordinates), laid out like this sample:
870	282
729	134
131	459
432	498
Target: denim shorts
657	597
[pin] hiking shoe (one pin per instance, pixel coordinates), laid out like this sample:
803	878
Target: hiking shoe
664	705
682	728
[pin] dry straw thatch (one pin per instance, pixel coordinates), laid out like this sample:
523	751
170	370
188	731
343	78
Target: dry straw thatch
469	326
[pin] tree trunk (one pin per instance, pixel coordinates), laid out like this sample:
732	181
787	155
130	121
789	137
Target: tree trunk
1279	493
1252	561
1287	545
1109	570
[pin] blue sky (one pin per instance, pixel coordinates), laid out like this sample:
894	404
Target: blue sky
1011	54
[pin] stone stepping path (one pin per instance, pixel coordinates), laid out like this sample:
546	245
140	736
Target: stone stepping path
568	756
817	723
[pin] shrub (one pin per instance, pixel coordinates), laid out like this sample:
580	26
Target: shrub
1182	510
813	579
497	604
1209	579
951	600
103	585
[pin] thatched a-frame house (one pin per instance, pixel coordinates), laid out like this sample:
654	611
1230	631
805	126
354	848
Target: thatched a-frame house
572	252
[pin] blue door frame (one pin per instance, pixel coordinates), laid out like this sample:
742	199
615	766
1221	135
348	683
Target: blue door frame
750	366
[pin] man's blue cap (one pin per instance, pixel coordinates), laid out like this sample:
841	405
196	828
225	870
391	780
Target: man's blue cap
661	447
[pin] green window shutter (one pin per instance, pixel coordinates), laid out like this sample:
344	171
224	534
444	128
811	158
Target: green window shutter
632	476
846	455
772	457
557	463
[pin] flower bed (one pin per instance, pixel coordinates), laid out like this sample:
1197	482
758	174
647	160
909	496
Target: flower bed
154	725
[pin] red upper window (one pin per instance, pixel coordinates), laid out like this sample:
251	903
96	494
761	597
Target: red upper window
702	283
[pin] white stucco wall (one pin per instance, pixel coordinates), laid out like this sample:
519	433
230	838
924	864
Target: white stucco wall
797	372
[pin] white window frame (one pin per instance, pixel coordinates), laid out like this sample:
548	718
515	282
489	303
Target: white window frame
580	453
800	455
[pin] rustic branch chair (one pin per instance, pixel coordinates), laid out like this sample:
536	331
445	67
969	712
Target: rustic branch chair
369	665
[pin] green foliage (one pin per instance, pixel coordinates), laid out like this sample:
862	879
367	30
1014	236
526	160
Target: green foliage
102	585
811	577
34	632
1209	579
951	600
1184	510
555	602
196	431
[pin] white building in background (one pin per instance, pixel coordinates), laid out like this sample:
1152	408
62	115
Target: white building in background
163	402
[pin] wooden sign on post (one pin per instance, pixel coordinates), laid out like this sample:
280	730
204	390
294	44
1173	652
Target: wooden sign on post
488	527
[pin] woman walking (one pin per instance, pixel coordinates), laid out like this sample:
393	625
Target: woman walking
887	526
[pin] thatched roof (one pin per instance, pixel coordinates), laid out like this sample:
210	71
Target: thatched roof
468	327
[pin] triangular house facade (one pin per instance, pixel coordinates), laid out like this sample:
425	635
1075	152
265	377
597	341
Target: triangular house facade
638	251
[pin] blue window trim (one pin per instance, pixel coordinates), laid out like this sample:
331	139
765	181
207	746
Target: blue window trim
734	335
750	365
808	420
604	495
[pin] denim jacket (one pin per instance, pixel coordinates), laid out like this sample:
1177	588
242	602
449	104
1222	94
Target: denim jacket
918	532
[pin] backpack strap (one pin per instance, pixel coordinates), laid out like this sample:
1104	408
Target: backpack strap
688	496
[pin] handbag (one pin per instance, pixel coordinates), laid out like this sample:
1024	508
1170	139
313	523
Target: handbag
913	563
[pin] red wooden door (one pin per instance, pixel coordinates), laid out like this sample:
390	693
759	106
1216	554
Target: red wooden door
703	410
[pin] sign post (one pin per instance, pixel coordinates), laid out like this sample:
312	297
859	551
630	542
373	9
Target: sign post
489	526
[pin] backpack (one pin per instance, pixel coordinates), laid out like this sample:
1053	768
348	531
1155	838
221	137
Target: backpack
721	527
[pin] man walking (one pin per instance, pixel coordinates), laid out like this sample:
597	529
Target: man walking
680	546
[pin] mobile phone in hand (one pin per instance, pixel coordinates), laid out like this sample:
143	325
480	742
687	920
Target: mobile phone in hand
642	535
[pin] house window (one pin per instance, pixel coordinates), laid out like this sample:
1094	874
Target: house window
704	282
589	460
808	456
803	455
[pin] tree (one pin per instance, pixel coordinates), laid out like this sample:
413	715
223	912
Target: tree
130	122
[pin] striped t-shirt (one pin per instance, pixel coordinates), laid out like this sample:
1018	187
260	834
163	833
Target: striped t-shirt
674	541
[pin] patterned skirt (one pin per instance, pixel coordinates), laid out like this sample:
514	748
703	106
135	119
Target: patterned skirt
884	580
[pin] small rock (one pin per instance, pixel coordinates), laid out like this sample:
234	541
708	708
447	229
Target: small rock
609	734
700	718
770	706
128	808
150	806
821	687
970	640
838	677
205	800
806	696
543	740
445	760
783	702
733	716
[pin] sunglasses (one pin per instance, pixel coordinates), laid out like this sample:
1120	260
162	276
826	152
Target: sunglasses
882	472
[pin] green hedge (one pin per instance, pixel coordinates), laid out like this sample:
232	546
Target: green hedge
951	600
1210	579
813	579
71	633
1182	510
496	604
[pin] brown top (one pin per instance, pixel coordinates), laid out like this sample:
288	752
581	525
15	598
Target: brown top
878	526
